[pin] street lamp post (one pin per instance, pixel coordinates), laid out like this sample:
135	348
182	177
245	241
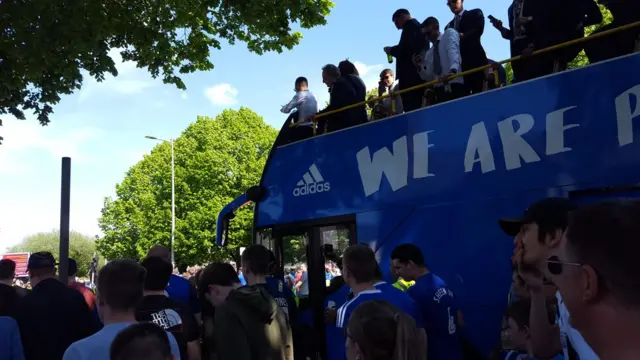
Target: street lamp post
173	194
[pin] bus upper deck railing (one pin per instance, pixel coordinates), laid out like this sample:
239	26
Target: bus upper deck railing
468	72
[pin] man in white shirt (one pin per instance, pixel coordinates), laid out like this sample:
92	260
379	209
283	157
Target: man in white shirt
306	106
441	61
596	271
538	234
388	84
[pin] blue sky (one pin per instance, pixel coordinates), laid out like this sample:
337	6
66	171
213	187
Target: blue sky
102	127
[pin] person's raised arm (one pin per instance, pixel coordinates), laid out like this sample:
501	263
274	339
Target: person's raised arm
506	33
295	101
545	337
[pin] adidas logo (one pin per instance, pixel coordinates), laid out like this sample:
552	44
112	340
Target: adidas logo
312	183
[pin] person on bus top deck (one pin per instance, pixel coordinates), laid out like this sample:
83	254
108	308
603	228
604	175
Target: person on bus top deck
360	273
596	270
538	234
435	300
179	288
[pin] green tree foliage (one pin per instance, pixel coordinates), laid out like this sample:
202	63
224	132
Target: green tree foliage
371	93
509	70
216	160
81	247
46	44
581	59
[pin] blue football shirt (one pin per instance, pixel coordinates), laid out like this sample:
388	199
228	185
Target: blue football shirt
439	311
345	311
402	301
181	289
284	297
334	335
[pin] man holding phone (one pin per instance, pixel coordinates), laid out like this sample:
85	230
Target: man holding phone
516	33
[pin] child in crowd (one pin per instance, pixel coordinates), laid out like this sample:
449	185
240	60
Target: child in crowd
517	331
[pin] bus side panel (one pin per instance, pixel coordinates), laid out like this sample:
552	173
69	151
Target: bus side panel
464	245
375	228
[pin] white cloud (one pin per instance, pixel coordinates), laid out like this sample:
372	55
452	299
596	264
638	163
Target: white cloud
130	79
370	74
222	94
30	179
23	137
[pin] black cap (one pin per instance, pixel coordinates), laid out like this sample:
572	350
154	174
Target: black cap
550	212
41	260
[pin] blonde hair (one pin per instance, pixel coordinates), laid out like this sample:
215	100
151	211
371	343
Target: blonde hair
384	332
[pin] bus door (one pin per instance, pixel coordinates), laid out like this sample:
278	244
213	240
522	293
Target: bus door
308	255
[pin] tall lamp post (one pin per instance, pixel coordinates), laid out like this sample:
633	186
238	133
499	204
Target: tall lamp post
173	195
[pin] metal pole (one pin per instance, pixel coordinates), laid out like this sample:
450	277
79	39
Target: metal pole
173	204
65	200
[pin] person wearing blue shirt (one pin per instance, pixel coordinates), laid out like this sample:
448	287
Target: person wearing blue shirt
179	288
435	300
336	297
10	343
360	272
120	290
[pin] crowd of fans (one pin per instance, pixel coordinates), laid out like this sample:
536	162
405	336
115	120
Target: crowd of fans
573	296
428	52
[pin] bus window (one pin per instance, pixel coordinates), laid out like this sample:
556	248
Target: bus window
294	259
335	240
264	237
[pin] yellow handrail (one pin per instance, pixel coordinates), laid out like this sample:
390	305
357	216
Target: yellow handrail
478	69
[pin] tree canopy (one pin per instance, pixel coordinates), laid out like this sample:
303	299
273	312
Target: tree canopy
81	247
46	44
215	161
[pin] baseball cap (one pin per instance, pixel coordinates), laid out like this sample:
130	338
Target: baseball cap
550	212
41	260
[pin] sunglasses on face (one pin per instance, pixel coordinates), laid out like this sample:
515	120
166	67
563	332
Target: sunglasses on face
555	265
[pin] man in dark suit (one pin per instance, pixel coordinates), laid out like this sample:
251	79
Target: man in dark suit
344	92
624	12
470	25
548	28
412	42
